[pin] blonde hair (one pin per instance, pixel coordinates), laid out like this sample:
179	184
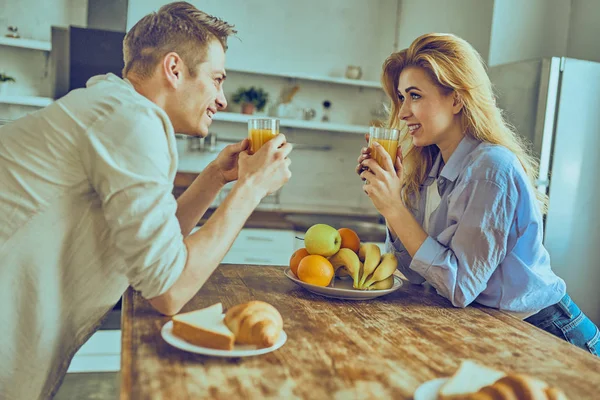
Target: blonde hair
455	66
177	27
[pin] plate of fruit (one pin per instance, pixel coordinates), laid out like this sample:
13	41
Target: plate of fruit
334	263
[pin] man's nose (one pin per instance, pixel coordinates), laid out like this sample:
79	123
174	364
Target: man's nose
221	100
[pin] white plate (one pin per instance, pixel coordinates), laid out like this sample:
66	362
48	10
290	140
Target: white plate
429	390
342	288
238	349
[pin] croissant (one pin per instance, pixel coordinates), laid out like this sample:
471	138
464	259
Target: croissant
517	387
255	322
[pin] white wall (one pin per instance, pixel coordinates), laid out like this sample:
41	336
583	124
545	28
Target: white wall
469	19
30	68
310	36
584	30
34	18
523	30
321	179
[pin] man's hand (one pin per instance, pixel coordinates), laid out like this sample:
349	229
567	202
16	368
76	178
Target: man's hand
226	162
268	169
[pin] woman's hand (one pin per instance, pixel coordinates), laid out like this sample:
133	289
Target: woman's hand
365	153
383	182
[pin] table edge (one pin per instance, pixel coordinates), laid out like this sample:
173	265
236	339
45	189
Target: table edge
126	344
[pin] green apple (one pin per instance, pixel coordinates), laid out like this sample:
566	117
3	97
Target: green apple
323	240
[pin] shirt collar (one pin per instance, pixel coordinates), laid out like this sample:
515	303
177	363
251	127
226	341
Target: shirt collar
435	168
457	160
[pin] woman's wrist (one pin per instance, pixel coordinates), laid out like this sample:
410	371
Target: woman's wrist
395	210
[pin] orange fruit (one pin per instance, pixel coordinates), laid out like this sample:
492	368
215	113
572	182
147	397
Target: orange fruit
316	270
296	258
350	239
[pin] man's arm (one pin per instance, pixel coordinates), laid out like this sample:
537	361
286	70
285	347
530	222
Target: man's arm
196	199
259	175
194	202
207	247
127	159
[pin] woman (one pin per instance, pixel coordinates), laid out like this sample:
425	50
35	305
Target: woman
460	206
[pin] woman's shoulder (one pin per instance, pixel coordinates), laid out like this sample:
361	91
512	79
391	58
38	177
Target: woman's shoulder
493	162
494	156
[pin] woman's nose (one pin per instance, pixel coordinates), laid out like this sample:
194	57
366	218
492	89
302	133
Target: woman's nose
404	111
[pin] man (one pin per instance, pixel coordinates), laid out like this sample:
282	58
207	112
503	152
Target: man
86	204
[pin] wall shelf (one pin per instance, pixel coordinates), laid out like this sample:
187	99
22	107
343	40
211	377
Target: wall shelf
25	43
26	100
316	78
293	123
222	116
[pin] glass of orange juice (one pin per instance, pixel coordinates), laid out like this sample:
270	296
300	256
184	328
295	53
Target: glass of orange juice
388	138
260	131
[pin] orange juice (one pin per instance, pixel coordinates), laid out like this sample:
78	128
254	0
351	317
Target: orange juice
391	146
258	137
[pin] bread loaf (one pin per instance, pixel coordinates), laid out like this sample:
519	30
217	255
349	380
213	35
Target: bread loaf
204	328
476	382
518	387
468	378
255	322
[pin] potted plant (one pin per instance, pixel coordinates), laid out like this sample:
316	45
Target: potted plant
251	99
4	80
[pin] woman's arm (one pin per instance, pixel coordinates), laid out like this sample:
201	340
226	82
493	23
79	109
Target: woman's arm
394	245
460	263
476	242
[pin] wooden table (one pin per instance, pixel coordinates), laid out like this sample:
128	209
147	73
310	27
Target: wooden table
382	348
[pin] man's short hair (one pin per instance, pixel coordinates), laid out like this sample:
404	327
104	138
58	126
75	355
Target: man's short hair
177	27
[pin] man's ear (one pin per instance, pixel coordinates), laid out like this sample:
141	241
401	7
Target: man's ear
172	67
457	103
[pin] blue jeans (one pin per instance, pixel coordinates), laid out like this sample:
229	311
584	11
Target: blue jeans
566	321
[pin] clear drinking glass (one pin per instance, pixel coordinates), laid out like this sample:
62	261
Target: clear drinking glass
388	138
260	131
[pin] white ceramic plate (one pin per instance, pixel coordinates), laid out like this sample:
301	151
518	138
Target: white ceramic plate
342	288
429	390
238	349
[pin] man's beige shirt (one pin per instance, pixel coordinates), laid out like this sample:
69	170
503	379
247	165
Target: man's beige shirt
85	210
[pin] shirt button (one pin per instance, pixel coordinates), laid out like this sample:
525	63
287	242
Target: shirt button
441	181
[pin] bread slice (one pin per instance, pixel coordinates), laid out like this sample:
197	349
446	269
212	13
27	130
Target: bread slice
204	328
469	378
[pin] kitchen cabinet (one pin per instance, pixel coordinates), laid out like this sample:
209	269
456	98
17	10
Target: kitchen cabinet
101	353
261	247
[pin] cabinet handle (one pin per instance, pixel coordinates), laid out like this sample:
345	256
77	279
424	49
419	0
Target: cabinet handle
260	239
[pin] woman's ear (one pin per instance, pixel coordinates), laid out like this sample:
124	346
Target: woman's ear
457	103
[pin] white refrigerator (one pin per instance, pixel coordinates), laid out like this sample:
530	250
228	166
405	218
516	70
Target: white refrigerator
555	104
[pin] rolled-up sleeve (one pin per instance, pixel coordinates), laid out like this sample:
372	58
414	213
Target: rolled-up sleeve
477	242
130	165
394	245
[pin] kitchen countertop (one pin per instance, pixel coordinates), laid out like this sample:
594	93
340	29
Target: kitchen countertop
336	349
369	229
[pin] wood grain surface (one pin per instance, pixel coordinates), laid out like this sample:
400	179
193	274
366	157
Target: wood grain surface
336	349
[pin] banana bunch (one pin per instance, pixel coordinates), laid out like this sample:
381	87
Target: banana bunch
369	269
